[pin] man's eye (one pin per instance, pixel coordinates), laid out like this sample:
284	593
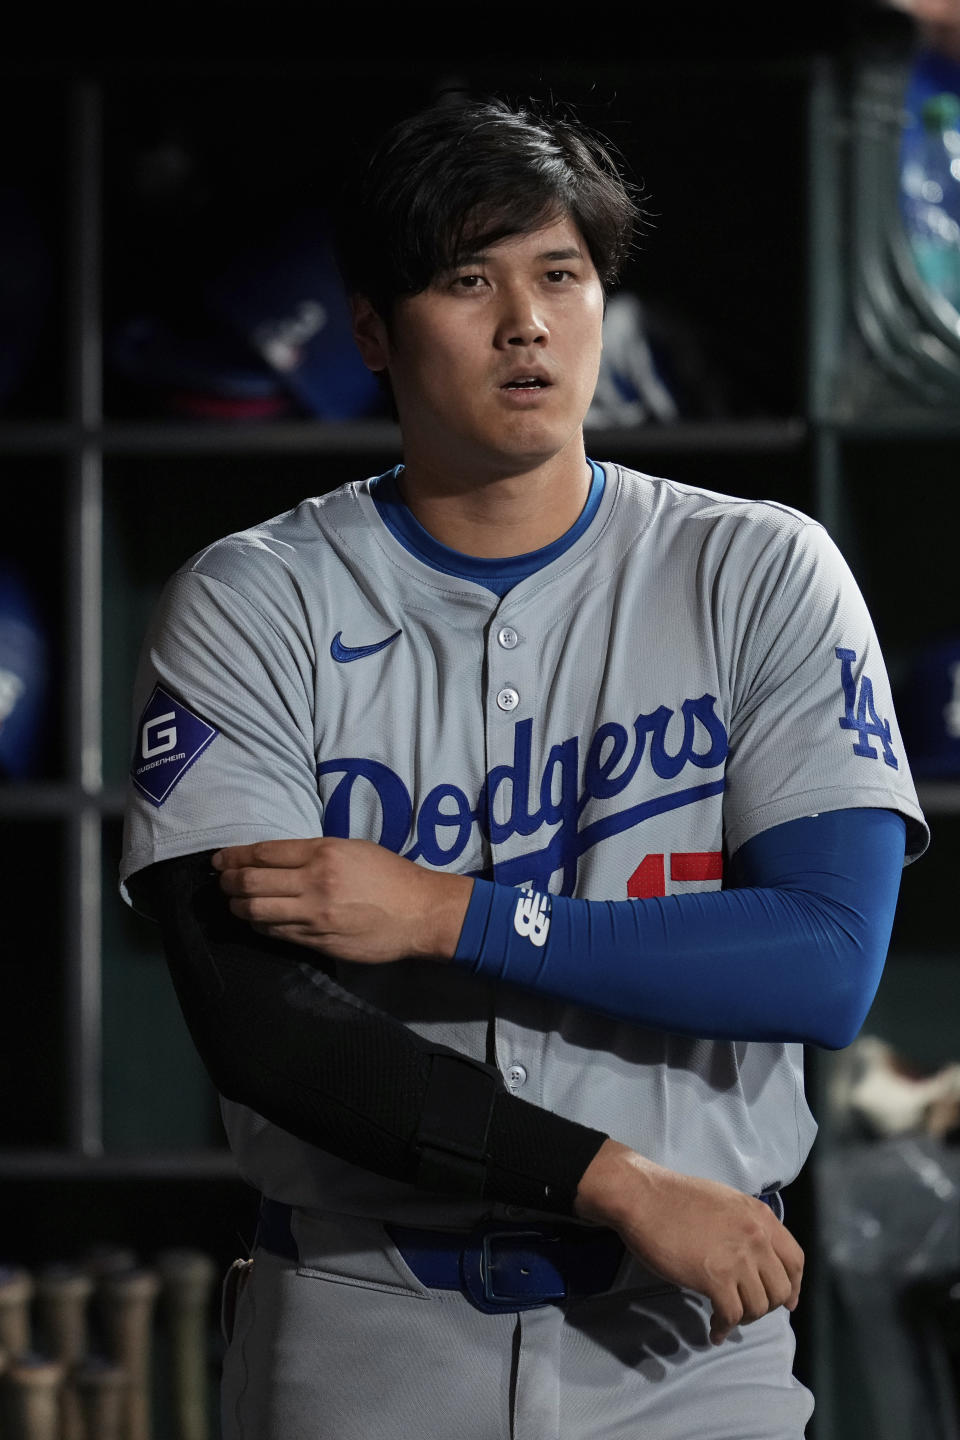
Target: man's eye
469	282
555	276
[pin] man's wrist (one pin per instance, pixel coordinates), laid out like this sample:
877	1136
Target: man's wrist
607	1192
448	899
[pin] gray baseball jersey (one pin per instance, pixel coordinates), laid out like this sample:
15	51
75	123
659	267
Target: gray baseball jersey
692	670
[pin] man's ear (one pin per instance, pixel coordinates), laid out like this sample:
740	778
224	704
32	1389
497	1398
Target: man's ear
370	334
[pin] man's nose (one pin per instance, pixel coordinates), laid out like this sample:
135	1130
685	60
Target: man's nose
521	322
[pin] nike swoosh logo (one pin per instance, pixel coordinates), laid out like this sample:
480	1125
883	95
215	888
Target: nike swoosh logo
344	653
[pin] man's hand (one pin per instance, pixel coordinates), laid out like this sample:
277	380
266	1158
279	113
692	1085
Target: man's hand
696	1233
349	898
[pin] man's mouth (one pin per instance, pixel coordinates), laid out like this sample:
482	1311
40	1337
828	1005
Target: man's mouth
526	382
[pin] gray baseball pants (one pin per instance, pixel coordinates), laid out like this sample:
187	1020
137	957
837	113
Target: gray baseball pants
349	1345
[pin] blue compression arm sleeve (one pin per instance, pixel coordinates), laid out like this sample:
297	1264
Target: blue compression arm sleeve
793	950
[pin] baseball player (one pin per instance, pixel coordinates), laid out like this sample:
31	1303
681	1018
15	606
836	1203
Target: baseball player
513	819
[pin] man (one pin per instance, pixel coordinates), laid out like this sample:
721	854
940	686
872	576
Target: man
512	820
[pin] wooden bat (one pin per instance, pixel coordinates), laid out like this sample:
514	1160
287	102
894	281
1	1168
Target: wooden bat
16	1294
188	1278
62	1295
33	1384
97	1262
129	1300
62	1301
4	1364
102	1394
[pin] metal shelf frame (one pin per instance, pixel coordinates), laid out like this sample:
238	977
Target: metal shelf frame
57	1165
83	567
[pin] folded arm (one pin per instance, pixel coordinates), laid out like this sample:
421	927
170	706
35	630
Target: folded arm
277	1033
791	950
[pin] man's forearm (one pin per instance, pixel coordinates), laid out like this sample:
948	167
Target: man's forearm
794	953
278	1034
697	1233
281	1036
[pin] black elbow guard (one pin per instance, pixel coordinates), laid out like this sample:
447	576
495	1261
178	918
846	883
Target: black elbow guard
453	1134
279	1034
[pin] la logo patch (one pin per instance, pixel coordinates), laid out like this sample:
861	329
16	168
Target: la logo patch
860	713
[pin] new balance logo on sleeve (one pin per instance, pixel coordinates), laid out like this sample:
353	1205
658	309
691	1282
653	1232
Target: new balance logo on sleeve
531	919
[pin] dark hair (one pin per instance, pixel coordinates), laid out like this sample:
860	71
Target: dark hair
465	173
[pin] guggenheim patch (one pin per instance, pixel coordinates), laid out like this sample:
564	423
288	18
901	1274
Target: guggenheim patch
170	737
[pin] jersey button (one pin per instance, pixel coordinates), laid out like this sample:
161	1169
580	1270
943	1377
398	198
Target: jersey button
516	1077
508	699
508	638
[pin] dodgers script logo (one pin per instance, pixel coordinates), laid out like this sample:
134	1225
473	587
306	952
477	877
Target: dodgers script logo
442	827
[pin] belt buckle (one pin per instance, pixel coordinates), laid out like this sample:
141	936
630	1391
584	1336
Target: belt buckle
544	1286
495	1286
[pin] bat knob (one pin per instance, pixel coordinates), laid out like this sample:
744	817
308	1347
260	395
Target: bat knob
187	1275
62	1293
16	1293
68	1280
34	1384
128	1304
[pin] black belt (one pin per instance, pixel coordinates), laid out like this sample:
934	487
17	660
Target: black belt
497	1266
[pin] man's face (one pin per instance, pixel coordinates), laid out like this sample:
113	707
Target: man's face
494	365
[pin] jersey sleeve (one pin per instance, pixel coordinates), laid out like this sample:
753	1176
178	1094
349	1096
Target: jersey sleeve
812	726
223	723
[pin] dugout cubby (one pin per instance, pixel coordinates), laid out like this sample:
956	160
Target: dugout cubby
35	622
34	859
137	169
34	262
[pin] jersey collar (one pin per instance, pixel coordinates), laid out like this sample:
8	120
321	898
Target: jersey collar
498	575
